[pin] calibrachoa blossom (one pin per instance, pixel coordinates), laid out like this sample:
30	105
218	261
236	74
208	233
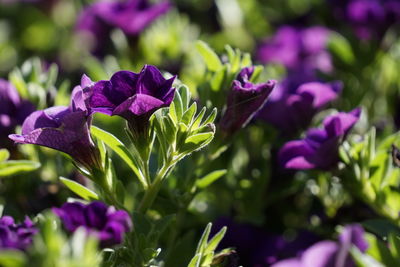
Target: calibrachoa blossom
297	48
13	110
319	149
291	111
16	236
244	100
106	223
131	16
329	253
369	18
133	96
63	128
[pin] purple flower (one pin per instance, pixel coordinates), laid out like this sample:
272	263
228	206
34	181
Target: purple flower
133	96
319	149
244	100
63	128
368	18
131	16
297	48
16	236
13	111
106	223
292	110
330	253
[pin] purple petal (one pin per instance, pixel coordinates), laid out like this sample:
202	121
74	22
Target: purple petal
322	254
95	214
138	105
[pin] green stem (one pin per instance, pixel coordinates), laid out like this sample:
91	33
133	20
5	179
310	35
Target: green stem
154	188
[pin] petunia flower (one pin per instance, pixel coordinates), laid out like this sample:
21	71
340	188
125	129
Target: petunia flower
13	111
292	110
330	253
106	223
297	48
63	128
16	236
131	16
244	100
319	149
133	96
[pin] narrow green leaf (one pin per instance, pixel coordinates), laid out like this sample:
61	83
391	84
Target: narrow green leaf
198	139
197	120
13	258
212	245
120	149
211	117
204	238
394	245
217	81
172	112
210	57
341	48
79	189
187	117
185	95
178	105
364	260
210	178
195	262
13	167
4	154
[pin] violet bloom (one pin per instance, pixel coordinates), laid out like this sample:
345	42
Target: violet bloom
244	100
298	48
13	111
330	253
65	129
16	236
133	96
319	149
131	16
292	110
106	223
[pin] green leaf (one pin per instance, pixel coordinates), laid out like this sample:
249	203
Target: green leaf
211	117
13	167
4	154
213	243
210	57
195	262
394	245
203	240
364	260
187	117
197	141
12	258
178	106
210	178
185	95
79	189
120	149
197	120
341	48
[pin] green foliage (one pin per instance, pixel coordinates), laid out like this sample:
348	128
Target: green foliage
79	189
14	167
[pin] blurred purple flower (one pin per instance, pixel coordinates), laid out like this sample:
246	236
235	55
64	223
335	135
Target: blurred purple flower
292	110
330	253
16	236
319	149
63	128
131	16
13	111
244	100
133	96
297	48
106	223
368	18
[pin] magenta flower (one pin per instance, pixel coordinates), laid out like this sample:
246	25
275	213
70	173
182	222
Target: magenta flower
329	253
13	111
16	236
319	149
292	110
297	48
106	223
244	100
133	96
63	128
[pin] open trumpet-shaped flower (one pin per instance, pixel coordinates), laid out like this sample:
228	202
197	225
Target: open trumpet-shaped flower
106	223
292	111
244	100
133	96
63	128
319	149
16	236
